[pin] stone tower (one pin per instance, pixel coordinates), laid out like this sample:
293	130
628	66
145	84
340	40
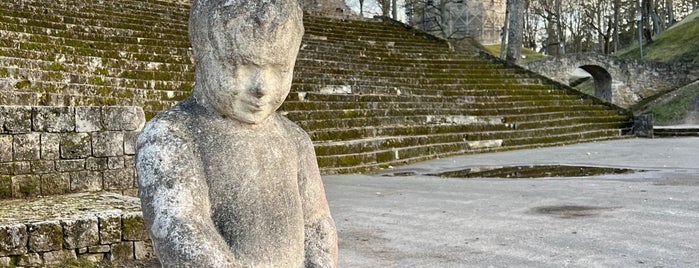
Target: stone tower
480	19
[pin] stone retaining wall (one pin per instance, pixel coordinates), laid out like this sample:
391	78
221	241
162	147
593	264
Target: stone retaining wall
72	231
58	150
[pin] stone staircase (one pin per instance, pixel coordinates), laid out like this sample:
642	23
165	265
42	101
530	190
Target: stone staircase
375	94
371	94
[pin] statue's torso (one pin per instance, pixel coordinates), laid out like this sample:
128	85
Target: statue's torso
252	177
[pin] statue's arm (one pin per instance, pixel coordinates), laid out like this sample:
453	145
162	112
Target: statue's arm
320	233
175	200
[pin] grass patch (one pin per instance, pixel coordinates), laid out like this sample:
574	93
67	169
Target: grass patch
673	109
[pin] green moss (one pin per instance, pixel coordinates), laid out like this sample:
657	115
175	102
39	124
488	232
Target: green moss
96	80
385	157
4	72
133	225
23	84
5	186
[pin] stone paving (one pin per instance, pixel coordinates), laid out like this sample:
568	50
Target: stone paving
644	219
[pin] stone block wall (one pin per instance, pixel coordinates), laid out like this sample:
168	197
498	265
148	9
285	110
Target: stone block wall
54	150
107	236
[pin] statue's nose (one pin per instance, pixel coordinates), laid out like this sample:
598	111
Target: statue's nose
257	86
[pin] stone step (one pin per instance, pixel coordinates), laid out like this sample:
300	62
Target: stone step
149	77
369	161
354	113
39	51
676	131
434	96
17	39
39	13
456	106
137	11
116	36
464	91
424	73
478	127
98	66
93	227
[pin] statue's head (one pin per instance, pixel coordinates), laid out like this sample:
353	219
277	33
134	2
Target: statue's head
244	52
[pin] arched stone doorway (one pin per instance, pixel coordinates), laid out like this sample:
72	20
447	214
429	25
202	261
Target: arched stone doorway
603	81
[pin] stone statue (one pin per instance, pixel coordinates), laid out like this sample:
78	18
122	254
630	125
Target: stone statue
224	180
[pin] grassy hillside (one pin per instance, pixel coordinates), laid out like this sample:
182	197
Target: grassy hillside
680	43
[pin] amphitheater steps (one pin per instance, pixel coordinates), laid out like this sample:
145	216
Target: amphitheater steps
406	86
370	94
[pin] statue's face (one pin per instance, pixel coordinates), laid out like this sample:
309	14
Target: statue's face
245	55
248	92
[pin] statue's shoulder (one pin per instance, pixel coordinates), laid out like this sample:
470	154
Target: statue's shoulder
297	133
174	123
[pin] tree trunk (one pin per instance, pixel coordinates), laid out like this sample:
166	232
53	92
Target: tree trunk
504	31
514	36
361	8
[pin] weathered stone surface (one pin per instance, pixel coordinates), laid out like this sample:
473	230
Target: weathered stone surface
5	147
88	118
15	119
30	260
79	233
42	166
45	236
5	186
50	146
85	181
107	144
143	250
67	206
70	165
7	168
59	257
81	250
118	179
25	186
13	239
93	163
92	257
128	118
115	162
75	145
133	227
7	262
265	196
55	183
26	146
121	252
21	168
53	119
99	249
109	228
130	142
